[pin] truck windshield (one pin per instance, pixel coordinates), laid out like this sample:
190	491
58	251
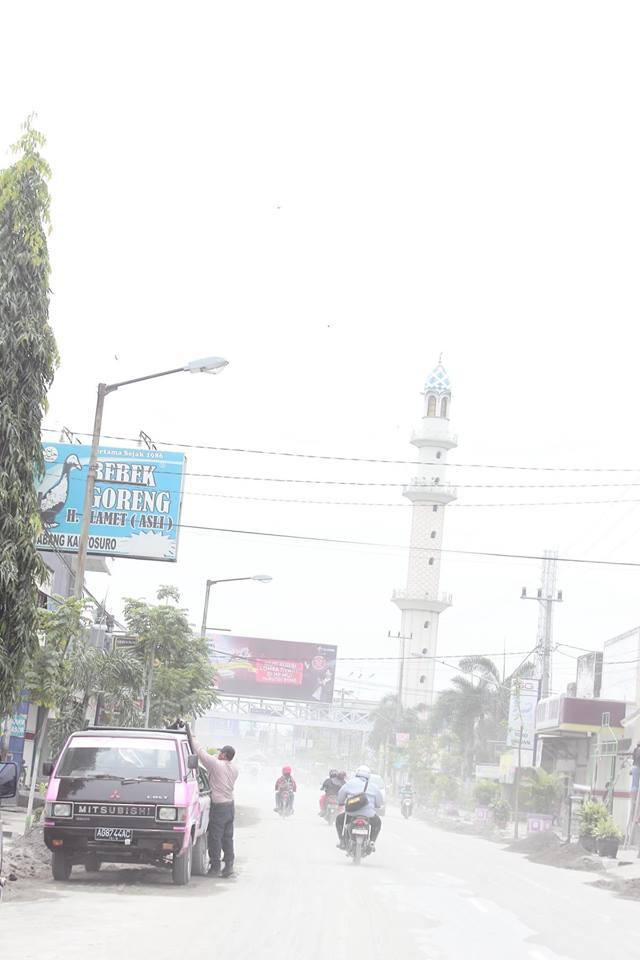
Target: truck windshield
120	758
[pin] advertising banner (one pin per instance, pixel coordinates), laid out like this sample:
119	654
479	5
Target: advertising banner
273	669
522	719
136	502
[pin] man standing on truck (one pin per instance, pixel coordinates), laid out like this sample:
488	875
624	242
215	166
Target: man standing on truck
222	777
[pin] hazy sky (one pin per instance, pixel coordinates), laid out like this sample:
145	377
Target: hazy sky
329	195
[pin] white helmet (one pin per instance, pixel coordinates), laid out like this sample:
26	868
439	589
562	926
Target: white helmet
363	772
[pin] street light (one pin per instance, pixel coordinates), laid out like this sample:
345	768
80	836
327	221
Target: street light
259	577
205	365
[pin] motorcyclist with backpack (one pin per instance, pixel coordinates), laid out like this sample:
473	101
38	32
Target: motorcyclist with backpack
330	788
370	799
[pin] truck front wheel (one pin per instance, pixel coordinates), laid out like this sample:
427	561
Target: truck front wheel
182	867
60	865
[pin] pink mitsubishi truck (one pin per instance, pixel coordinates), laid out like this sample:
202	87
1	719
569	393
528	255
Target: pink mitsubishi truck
125	795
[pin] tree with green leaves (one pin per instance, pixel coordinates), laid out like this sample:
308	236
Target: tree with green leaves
390	718
67	676
179	679
475	710
28	359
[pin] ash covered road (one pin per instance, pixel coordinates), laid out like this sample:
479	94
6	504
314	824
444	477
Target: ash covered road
424	894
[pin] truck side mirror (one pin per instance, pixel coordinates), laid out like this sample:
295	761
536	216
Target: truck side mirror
47	767
8	780
192	762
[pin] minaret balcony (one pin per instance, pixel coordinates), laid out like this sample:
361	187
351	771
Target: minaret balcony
434	432
419	489
412	600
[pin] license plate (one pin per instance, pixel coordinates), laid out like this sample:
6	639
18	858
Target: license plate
359	833
119	834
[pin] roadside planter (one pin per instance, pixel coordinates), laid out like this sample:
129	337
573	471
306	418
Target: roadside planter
590	817
485	792
608	847
607	837
588	841
539	822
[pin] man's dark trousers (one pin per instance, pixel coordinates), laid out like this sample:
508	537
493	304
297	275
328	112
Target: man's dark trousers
221	835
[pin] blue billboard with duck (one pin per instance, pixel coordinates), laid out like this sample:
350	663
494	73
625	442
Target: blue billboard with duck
136	502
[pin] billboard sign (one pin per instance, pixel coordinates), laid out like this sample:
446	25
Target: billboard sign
273	669
136	502
522	719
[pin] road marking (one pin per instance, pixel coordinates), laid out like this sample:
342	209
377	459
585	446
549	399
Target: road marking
479	905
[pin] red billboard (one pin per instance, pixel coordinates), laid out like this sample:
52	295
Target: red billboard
273	669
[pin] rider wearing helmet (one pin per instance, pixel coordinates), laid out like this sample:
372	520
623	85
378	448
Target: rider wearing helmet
406	795
330	788
285	782
360	783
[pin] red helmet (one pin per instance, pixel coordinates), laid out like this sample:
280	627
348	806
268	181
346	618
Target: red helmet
286	770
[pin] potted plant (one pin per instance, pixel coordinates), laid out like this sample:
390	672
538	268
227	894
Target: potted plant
591	814
608	837
485	792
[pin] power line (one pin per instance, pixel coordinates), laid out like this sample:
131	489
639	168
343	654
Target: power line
365	503
416	482
393	546
606	663
342	459
417	659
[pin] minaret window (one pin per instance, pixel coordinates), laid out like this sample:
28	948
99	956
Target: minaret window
433	534
430	561
426	624
424	653
423	679
438	454
431	407
435	508
444	407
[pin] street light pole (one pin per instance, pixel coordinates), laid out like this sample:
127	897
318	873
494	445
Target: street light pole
205	612
260	577
81	561
206	365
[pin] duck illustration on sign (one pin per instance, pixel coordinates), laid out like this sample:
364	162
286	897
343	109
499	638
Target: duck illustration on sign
54	499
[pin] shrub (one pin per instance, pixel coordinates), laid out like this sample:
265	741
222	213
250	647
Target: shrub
501	812
486	792
607	829
444	788
543	793
590	816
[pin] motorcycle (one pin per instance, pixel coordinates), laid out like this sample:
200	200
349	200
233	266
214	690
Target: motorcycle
358	838
406	807
331	810
285	803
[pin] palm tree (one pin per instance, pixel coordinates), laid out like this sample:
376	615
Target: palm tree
476	709
112	679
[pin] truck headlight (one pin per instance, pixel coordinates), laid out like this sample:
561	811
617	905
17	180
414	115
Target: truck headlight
171	814
59	810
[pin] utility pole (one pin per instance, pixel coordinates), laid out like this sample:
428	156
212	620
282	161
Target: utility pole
402	641
546	596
